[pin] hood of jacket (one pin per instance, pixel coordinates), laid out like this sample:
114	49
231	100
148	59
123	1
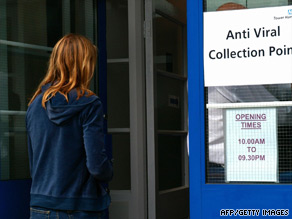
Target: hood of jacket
60	111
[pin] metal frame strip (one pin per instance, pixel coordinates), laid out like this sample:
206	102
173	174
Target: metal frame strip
25	45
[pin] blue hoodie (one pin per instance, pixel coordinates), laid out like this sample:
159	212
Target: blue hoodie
68	161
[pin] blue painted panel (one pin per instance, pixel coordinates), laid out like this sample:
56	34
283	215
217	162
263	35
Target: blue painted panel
217	197
15	197
102	53
102	67
196	105
206	200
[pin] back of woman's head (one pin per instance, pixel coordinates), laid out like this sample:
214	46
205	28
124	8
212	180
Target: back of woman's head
71	66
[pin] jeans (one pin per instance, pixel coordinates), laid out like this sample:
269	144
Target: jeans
42	213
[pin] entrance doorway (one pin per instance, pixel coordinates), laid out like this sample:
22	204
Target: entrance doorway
167	126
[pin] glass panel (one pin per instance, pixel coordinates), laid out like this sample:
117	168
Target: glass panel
118	90
122	169
25	22
170	162
169	45
170	103
117	29
173	8
213	5
169	91
216	124
27	32
264	3
118	95
256	93
44	22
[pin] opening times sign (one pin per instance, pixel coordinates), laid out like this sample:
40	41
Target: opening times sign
248	46
251	145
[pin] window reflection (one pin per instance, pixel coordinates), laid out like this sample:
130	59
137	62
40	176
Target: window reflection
170	97
28	30
169	45
215	130
170	162
121	154
170	104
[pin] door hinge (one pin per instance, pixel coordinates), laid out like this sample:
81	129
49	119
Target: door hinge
147	29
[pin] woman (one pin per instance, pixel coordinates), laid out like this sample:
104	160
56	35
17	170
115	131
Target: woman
68	162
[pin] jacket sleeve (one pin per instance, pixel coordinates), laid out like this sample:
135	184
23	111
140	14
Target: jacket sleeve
97	161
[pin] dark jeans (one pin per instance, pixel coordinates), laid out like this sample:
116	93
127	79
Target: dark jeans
42	213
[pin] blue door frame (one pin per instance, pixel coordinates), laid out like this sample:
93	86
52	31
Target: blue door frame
15	194
14	199
206	200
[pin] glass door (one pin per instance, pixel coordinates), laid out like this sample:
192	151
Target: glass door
28	31
167	128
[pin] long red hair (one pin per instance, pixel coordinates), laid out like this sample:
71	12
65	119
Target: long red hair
71	66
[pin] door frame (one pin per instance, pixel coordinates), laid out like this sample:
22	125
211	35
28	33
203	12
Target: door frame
150	112
196	105
206	200
132	203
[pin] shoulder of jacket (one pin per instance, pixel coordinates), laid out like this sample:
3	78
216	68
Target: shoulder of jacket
94	104
93	101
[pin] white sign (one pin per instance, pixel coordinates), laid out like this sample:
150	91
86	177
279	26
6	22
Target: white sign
251	145
248	46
